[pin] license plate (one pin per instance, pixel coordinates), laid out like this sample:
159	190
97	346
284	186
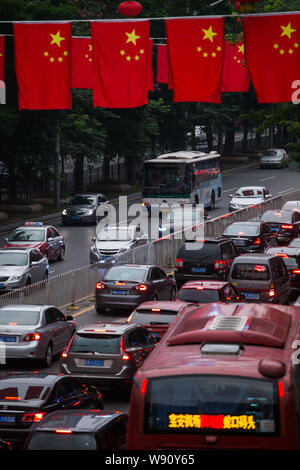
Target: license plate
2	285
75	217
198	269
8	339
94	362
251	295
274	229
119	292
239	242
7	419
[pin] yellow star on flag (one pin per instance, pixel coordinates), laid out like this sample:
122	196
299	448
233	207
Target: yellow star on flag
241	48
56	38
132	37
287	30
209	34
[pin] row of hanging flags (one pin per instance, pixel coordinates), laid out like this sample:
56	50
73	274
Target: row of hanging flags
116	61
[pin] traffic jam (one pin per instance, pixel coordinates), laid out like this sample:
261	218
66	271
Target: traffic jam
206	352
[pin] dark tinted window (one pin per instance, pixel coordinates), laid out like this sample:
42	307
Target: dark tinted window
21	391
147	317
194	295
277	217
217	404
242	229
53	441
251	272
83	200
200	250
100	343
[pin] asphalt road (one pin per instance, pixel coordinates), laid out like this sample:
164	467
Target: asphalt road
78	239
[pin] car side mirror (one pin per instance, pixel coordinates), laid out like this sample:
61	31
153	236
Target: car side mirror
69	318
50	239
230	195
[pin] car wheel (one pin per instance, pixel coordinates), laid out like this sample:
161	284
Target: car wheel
47	361
100	310
61	256
173	293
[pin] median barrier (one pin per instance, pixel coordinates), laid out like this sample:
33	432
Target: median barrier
69	288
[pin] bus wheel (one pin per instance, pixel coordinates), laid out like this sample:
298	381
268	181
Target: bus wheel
212	201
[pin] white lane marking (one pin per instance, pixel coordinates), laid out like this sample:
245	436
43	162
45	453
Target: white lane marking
227	190
286	191
270	178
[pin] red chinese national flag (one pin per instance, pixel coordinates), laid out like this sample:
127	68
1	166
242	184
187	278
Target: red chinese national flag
272	51
121	52
43	65
196	58
82	62
235	76
162	74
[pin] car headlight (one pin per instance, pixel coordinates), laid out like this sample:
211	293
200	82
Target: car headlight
89	212
64	212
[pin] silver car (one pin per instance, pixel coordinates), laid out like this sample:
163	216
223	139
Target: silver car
34	331
274	158
115	240
20	267
247	196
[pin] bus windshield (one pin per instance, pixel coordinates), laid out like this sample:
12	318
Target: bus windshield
166	180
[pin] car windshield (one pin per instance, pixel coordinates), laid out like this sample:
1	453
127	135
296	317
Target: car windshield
163	179
27	235
248	192
13	259
62	441
250	272
19	317
290	262
199	295
13	391
115	234
126	274
242	229
270	153
277	217
82	200
99	343
295	243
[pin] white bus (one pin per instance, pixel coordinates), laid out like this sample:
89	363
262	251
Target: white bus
186	177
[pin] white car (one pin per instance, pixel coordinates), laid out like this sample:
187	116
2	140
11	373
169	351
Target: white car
115	240
274	158
247	196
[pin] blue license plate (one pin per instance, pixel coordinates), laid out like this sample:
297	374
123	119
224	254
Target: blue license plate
198	269
8	339
7	419
251	295
239	242
2	285
274	229
94	362
119	292
75	217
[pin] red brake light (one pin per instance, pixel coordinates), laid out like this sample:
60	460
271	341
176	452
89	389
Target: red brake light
259	269
220	264
179	263
287	227
296	271
257	241
271	293
125	354
63	431
144	386
32	417
280	390
140	287
32	337
100	285
64	354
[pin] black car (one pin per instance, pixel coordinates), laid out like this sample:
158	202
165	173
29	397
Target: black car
285	224
207	259
82	208
250	237
127	286
291	258
25	398
79	430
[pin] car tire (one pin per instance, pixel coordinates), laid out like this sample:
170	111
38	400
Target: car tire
47	360
61	256
100	310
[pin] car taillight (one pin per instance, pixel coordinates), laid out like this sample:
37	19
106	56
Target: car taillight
257	241
296	271
101	285
129	318
220	264
64	355
63	431
125	355
32	417
140	287
271	292
32	337
287	227
179	263
65	352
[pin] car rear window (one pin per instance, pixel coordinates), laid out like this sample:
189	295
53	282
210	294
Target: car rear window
18	317
62	441
126	274
215	404
200	250
295	243
270	153
201	295
291	262
242	229
10	390
250	272
100	343
148	317
277	217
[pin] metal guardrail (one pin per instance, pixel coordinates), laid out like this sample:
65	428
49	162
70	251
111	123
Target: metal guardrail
66	289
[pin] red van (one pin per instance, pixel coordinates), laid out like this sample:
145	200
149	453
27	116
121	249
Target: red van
224	376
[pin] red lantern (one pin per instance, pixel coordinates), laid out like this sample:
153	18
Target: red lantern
130	8
246	5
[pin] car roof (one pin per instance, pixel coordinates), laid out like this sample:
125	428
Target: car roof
253	257
24	307
205	284
162	305
113	328
292	251
78	420
263	332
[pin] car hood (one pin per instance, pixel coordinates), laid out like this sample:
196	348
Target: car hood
118	245
12	270
80	208
246	201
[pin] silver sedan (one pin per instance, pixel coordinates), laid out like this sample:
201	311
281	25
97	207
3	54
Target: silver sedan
34	332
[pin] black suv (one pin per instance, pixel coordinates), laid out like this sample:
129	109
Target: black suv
207	259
